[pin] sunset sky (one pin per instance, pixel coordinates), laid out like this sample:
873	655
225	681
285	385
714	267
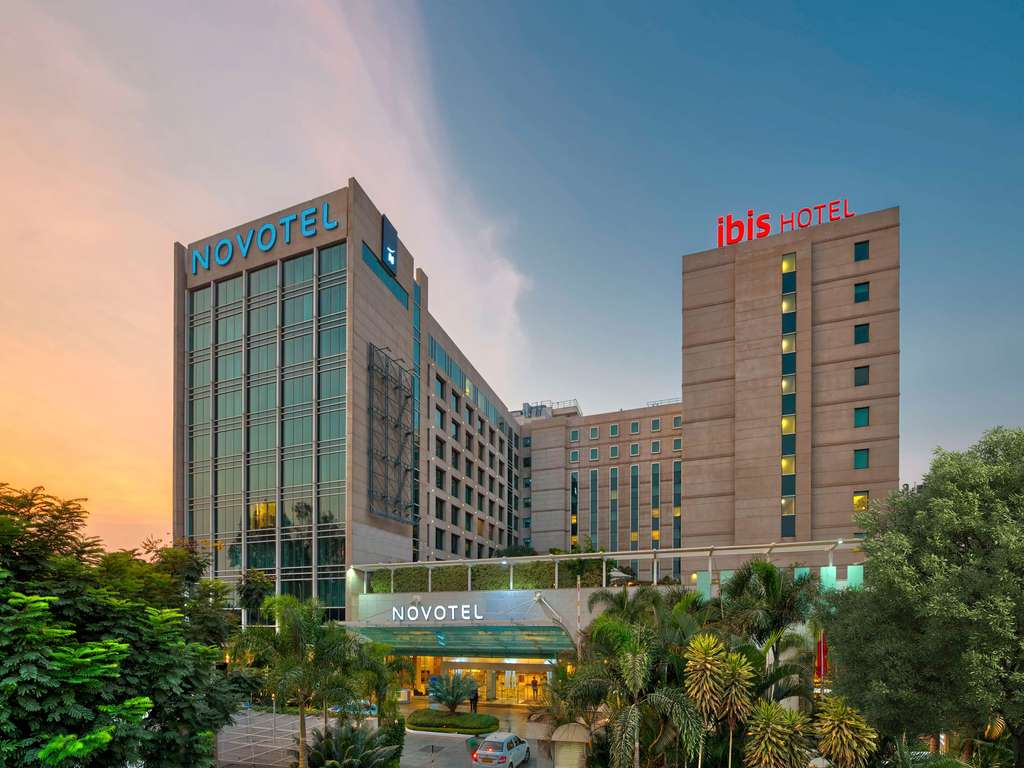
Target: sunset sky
523	150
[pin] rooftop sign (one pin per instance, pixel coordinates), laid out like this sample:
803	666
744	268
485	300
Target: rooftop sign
757	225
264	236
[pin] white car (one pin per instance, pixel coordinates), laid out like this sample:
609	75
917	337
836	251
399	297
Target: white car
502	749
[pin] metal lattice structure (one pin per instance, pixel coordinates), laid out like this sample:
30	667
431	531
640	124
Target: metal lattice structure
391	438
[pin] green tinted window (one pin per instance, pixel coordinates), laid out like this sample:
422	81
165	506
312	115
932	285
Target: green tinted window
332	425
297	471
298	390
199	373
262	397
862	333
332	467
297	431
298	270
229	366
332	341
229	405
199	337
229	290
262	358
199	301
861	251
263	319
229	442
298	309
332	383
861	458
229	328
332	300
298	350
332	259
861	292
262	437
263	280
862	416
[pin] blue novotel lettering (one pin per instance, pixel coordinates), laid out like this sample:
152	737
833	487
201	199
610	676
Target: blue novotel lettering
264	237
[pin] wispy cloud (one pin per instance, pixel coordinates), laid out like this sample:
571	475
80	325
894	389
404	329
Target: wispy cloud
126	129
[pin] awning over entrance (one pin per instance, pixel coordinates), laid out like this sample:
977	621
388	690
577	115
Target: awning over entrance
504	641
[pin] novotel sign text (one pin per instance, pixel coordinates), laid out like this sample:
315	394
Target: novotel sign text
265	236
757	225
463	611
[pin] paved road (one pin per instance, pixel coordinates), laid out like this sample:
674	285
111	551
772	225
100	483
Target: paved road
262	740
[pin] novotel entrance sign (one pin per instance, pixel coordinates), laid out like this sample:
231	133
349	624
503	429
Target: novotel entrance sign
265	236
461	611
757	225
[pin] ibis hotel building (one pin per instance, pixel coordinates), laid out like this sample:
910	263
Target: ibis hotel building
329	432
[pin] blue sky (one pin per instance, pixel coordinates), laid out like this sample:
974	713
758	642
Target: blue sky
617	134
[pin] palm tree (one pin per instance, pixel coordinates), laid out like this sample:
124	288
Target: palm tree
620	604
776	737
351	746
844	737
761	601
450	691
782	667
305	658
737	685
253	588
625	685
380	671
705	678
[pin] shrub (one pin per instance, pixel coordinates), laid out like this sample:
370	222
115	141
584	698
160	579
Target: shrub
450	691
473	723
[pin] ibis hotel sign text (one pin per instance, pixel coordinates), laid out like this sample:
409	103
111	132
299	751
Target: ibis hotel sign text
263	237
757	225
427	613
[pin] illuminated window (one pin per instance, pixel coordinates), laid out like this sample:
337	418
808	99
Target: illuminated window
788	425
861	292
788	384
789	303
788	505
789	343
861	458
655	535
861	251
862	375
862	416
860	500
789	262
862	333
788	465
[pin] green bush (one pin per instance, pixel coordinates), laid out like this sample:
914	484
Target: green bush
536	575
487	578
440	721
393	735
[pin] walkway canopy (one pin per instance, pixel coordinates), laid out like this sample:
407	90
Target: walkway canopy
473	640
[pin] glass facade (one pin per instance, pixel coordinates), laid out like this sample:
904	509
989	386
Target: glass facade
266	414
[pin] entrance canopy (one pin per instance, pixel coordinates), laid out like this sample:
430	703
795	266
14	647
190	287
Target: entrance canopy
472	640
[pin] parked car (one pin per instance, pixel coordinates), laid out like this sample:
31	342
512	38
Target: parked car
502	749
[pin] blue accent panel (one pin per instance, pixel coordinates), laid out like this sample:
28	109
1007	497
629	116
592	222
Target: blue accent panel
788	445
385	277
789	486
789	405
388	244
854	576
788	363
704	584
801	572
789	282
828	577
789	322
723	578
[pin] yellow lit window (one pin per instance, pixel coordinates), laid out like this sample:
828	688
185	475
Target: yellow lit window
655	535
572	519
789	384
789	262
860	500
789	505
656	513
634	536
789	302
788	465
677	511
789	342
789	425
573	540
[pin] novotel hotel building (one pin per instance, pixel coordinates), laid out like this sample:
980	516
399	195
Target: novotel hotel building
329	432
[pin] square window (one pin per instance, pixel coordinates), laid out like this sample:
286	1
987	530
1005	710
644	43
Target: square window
861	250
789	303
634	427
789	425
574	435
613	452
788	505
788	405
860	500
677	422
788	363
862	375
593	454
789	283
789	526
634	449
788	465
656	446
861	292
789	485
788	445
655	425
574	457
595	432
861	458
788	384
677	444
862	333
862	416
788	343
789	322
613	430
789	262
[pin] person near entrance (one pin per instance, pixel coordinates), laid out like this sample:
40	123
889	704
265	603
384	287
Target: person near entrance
474	699
533	685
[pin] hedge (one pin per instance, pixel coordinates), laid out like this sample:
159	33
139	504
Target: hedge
442	721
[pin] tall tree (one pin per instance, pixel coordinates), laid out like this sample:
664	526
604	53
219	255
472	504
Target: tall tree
943	602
